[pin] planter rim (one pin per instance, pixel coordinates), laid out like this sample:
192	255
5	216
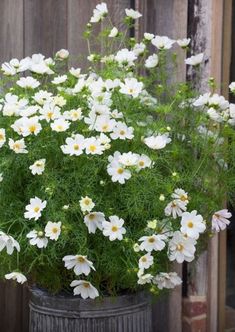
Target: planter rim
74	306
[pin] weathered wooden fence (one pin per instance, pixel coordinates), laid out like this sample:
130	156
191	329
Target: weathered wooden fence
45	26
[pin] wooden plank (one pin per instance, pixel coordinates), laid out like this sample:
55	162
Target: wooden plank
226	67
79	14
166	18
11	29
45	26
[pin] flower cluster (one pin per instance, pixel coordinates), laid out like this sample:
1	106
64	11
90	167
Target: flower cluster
93	164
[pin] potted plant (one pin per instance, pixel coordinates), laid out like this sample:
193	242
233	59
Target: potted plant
107	177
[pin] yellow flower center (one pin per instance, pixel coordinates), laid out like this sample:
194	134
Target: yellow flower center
49	114
122	132
36	209
91	216
144	259
141	163
59	127
190	224
120	170
54	230
16	146
114	229
87	201
180	247
86	284
80	259
1	137
76	147
105	127
131	90
32	128
183	198
38	164
92	148
151	239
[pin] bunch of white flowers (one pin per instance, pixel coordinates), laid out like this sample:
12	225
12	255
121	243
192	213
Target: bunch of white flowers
104	150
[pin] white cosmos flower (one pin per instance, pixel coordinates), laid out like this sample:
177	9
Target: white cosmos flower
94	220
28	82
60	125
93	146
18	146
220	220
162	42
167	280
59	79
125	57
13	105
183	42
99	13
145	261
37	238
181	248
180	194
74	145
116	170
19	277
38	167
53	230
104	124
139	48
113	33
34	209
15	66
175	208
128	159
8	242
194	60
29	111
75	72
74	114
157	142
144	278
62	54
152	242
192	224
151	61
80	264
84	288
30	126
121	131
232	87
114	228
105	141
143	162
131	87
86	204
59	101
2	136
134	14
38	64
41	97
148	36
50	112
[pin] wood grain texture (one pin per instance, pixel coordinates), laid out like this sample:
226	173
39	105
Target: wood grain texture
11	29
165	18
45	26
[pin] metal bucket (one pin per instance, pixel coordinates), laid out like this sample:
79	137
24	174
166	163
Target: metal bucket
127	313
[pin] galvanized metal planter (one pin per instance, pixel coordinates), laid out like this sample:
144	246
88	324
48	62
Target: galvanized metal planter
127	313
